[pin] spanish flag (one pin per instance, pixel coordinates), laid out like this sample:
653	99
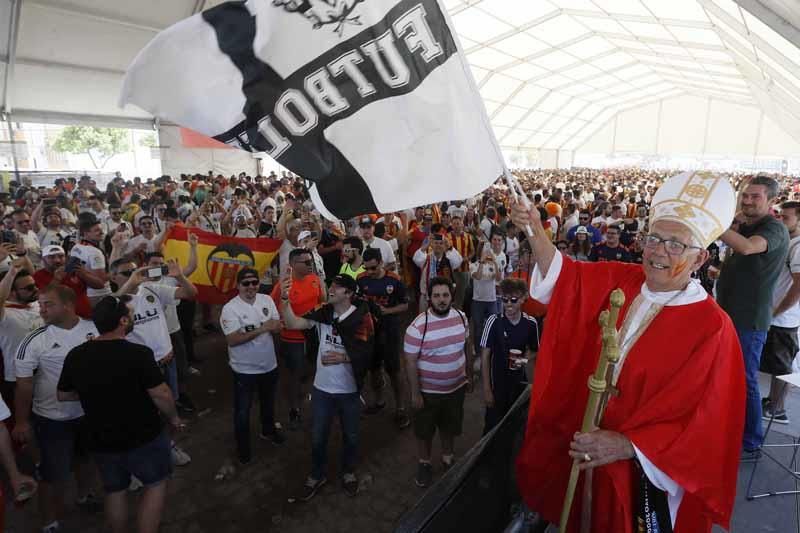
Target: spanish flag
219	259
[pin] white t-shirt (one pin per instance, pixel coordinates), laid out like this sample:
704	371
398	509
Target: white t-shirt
93	259
67	216
16	324
256	356
245	233
512	252
483	290
138	240
791	317
5	413
31	242
486	227
386	249
170	311
333	379
149	314
52	236
210	223
41	356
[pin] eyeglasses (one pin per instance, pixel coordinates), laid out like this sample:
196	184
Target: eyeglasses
249	283
126	273
671	246
510	299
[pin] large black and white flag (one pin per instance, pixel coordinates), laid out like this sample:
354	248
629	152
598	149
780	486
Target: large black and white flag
371	100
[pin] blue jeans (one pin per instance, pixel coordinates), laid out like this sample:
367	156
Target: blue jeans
170	371
325	407
481	311
244	387
752	343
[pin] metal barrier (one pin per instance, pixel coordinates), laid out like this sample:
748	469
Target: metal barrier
478	492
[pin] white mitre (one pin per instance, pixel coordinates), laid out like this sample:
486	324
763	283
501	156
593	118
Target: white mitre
702	201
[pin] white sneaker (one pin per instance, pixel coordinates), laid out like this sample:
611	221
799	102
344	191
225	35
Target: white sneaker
180	457
135	484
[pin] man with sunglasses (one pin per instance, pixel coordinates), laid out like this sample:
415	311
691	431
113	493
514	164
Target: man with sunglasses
670	442
248	322
585	221
306	293
19	315
388	296
509	341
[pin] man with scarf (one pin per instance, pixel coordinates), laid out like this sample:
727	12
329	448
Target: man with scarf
666	454
435	258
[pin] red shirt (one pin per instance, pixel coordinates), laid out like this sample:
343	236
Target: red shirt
44	277
304	296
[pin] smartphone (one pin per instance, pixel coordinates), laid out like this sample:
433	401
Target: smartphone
48	202
8	235
72	264
157	272
314	235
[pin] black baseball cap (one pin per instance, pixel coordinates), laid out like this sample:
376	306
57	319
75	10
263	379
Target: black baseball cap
245	273
346	282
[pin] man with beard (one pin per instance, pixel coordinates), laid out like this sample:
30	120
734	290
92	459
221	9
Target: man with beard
353	264
438	375
123	394
19	315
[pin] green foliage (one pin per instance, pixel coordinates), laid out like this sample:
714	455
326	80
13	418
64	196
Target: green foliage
100	144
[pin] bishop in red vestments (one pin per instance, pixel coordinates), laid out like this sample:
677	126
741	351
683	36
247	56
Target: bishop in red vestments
677	418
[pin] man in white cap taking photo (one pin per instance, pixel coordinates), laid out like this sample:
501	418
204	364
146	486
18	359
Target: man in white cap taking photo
670	438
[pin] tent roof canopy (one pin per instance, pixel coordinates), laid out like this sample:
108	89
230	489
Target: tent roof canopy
552	72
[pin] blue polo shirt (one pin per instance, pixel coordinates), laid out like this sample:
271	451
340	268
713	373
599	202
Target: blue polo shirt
500	335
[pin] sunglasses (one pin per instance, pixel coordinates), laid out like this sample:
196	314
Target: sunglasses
249	283
126	273
510	299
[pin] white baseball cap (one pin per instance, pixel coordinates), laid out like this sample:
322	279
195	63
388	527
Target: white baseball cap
52	249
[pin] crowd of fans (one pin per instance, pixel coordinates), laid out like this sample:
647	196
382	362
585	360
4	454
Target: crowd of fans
98	339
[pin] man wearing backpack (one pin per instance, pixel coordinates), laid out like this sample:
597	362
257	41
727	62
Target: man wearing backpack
438	375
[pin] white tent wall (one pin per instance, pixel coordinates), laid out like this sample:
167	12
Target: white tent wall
692	126
177	160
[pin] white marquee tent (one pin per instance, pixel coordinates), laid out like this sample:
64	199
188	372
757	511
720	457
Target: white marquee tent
559	77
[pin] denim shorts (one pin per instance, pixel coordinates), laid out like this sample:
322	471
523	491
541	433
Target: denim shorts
151	463
60	442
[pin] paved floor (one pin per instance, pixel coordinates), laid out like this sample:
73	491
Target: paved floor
255	498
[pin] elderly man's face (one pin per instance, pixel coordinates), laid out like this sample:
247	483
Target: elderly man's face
669	272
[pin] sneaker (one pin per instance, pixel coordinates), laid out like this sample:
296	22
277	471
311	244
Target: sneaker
184	403
193	371
446	465
135	485
294	419
749	456
55	527
424	475
401	419
309	490
375	409
780	417
276	437
90	504
350	484
179	456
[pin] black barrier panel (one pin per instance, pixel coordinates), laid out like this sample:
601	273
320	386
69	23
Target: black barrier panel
477	493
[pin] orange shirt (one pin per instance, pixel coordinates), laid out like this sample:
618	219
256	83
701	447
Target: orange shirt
304	296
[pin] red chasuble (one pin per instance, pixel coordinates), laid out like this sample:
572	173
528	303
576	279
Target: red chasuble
681	402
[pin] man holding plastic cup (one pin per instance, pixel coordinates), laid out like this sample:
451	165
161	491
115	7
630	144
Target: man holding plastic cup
509	340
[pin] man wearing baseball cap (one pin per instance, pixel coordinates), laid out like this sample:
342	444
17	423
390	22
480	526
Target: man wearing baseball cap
346	343
72	274
371	241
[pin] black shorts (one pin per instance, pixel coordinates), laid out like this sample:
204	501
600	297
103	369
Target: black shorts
151	463
387	349
779	351
443	411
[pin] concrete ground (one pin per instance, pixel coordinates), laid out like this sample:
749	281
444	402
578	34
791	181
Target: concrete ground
255	498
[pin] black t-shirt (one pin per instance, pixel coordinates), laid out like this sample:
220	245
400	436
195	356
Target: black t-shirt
112	378
267	229
387	291
332	260
603	252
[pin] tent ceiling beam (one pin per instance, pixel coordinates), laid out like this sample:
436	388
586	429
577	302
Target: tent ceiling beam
665	55
28	61
655	66
638	18
71	9
772	19
514	31
567	123
524	117
589	124
109	121
577	63
667	42
466	4
546	51
11	59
